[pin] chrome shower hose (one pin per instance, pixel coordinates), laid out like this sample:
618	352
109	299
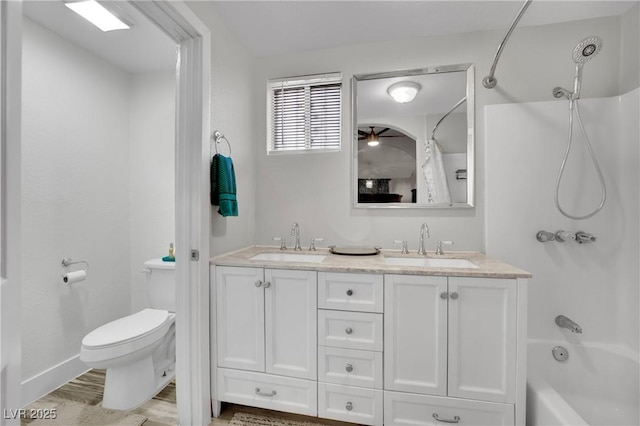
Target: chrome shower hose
574	105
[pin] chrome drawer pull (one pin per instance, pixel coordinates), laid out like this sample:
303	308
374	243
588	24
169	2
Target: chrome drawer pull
349	406
267	284
349	292
349	368
456	419
349	330
258	392
258	283
454	295
444	295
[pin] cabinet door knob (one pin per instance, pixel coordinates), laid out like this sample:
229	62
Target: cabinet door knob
270	394
349	292
454	295
348	330
349	368
258	283
444	295
349	406
267	284
456	419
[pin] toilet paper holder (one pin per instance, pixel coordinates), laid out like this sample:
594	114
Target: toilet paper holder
68	262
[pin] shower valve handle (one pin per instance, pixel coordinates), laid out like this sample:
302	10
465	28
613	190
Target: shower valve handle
544	236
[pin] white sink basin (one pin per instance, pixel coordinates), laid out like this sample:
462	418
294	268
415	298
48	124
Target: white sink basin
289	257
429	262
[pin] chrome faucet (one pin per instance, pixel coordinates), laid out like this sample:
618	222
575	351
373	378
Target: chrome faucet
565	322
424	234
295	231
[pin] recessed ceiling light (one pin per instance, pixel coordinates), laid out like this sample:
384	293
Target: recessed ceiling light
403	91
97	14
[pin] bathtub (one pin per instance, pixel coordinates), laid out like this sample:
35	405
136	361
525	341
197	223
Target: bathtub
597	385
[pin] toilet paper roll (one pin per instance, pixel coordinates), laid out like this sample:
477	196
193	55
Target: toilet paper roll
75	276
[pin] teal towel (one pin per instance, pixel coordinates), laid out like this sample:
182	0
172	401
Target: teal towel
168	259
223	186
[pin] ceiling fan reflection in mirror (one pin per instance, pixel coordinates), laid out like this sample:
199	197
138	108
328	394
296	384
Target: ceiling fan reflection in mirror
373	137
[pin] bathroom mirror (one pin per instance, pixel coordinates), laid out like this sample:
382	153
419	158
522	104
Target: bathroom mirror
413	138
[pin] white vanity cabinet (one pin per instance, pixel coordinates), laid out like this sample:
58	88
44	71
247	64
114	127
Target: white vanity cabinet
266	338
452	337
370	343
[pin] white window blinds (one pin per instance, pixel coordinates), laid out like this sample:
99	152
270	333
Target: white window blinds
304	114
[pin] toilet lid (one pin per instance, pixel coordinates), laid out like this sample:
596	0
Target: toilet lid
126	329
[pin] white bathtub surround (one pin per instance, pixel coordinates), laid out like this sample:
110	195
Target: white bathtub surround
597	385
596	285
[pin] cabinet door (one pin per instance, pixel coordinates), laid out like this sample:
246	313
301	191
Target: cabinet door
291	323
482	338
415	334
240	318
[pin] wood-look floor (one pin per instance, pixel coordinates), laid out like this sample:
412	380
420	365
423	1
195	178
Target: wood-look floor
161	410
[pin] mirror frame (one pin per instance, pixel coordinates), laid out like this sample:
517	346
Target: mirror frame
470	135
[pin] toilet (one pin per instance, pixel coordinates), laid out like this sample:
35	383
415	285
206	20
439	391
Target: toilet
138	351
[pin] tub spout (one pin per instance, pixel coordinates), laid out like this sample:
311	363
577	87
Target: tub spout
565	322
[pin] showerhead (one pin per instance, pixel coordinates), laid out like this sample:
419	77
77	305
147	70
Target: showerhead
587	49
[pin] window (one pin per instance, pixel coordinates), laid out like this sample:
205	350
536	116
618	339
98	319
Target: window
304	114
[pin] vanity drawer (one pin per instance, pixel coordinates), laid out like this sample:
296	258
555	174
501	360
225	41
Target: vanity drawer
413	409
350	292
350	404
350	367
267	391
351	330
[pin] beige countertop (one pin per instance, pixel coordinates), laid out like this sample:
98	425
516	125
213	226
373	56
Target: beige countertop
488	267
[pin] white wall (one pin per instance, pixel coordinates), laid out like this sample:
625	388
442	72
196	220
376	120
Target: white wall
98	185
233	100
75	198
629	57
596	285
290	187
152	174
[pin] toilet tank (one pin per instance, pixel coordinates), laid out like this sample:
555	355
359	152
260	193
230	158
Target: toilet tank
161	284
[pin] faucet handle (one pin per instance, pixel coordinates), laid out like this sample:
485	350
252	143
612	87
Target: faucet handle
312	245
283	242
439	247
405	249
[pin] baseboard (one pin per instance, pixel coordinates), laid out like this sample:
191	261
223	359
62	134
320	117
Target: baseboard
49	380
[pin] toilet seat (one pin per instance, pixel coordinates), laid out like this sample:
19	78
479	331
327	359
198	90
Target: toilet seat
126	335
126	329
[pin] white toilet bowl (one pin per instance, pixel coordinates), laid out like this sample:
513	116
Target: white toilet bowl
138	352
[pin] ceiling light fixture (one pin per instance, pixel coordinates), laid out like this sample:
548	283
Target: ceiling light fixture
372	138
98	15
403	91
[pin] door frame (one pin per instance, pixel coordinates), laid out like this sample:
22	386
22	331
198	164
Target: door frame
192	207
10	144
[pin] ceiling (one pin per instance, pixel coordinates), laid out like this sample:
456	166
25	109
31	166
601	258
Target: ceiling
143	48
280	27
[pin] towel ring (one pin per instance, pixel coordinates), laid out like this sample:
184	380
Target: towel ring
219	137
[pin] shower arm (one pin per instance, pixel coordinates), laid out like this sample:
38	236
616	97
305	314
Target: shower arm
460	102
490	81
